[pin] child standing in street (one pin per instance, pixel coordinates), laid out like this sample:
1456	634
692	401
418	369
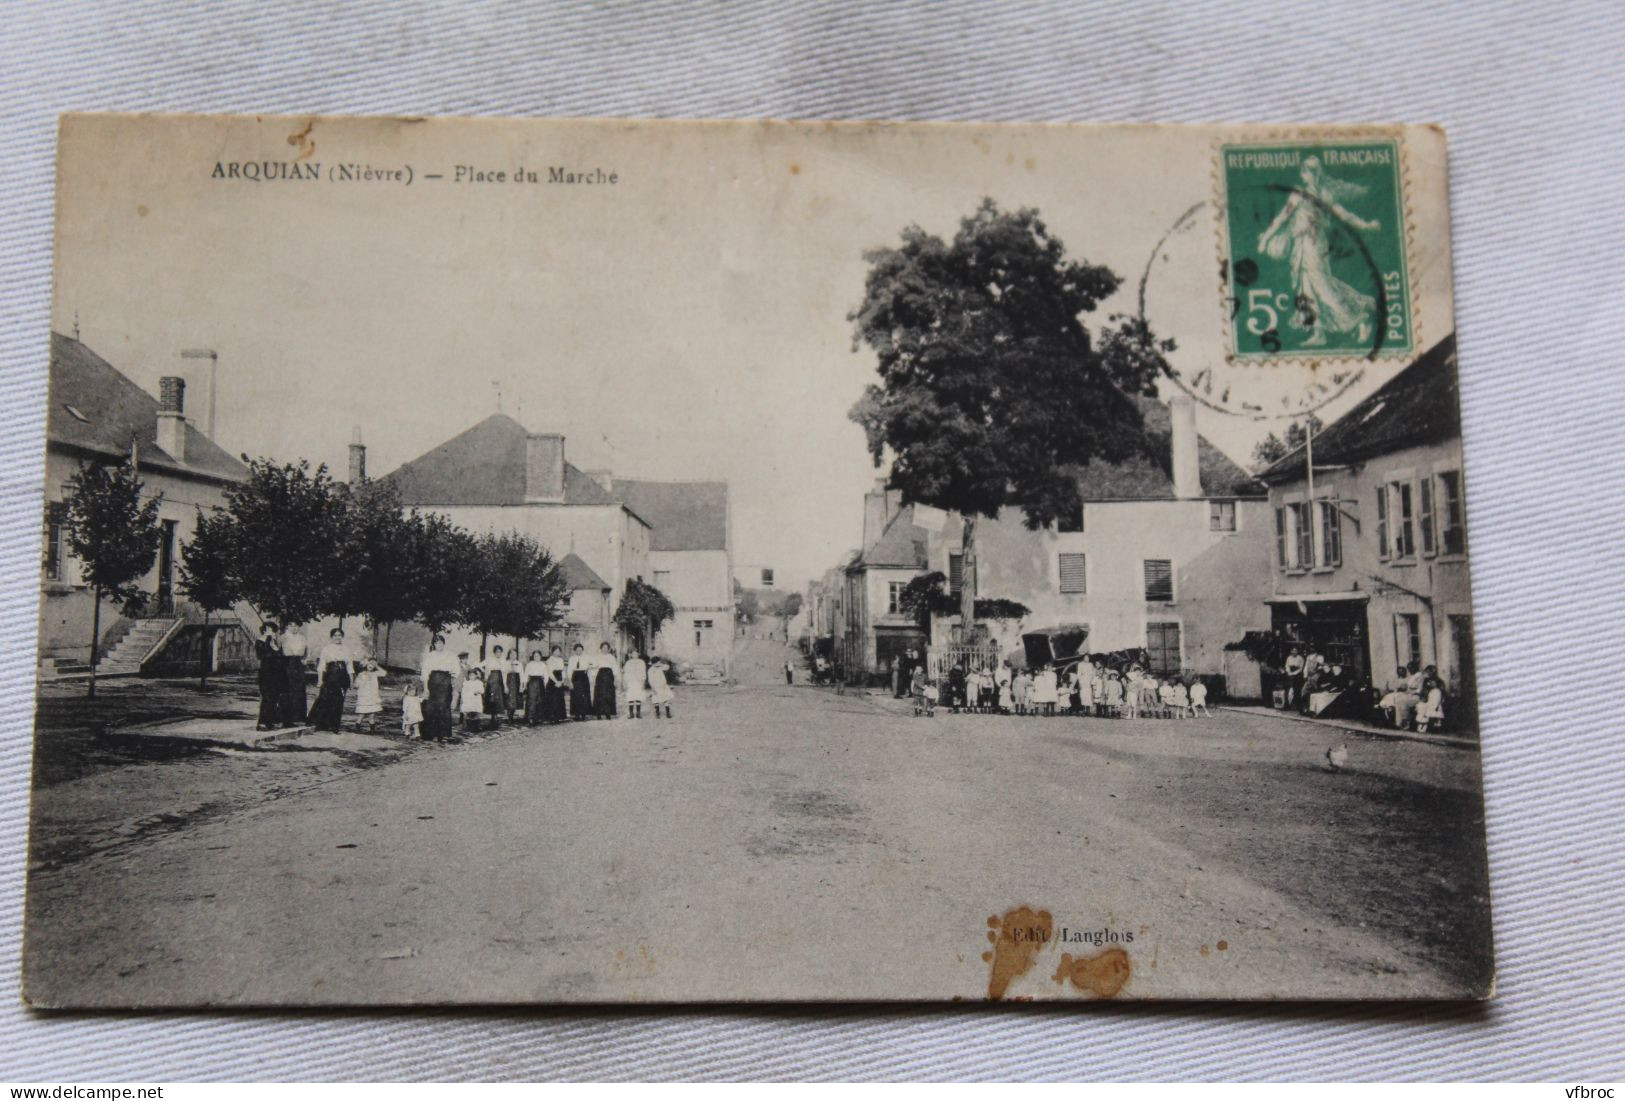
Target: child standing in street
369	701
412	710
473	697
635	677
660	693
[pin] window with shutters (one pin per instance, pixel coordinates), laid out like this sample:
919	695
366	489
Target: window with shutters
1401	521
1382	522
894	596
1331	532
1452	527
1280	539
1074	573
56	513
1162	647
956	571
1221	515
1424	517
1302	529
1159	581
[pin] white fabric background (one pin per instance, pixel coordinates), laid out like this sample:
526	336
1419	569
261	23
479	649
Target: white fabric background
1531	98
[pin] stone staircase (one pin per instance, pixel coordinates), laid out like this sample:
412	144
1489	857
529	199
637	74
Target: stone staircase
704	673
126	655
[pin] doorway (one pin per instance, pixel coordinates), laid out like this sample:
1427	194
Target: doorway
166	568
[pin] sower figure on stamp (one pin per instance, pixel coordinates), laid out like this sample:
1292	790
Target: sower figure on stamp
1302	233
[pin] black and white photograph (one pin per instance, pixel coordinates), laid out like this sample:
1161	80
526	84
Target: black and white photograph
506	562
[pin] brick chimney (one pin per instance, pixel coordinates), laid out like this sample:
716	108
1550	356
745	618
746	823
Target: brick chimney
879	506
358	457
172	417
1186	458
544	468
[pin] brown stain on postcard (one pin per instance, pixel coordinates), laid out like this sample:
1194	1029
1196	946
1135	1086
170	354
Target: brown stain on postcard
1017	938
301	140
1103	974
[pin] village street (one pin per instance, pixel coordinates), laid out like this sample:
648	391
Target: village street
770	842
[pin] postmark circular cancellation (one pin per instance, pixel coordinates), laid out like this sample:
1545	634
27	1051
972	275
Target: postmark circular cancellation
1314	282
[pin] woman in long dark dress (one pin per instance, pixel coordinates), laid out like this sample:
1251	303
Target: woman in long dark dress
603	686
557	692
335	669
437	671
496	686
581	670
516	682
273	678
535	689
293	673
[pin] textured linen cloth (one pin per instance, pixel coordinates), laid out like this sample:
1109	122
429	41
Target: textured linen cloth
1530	98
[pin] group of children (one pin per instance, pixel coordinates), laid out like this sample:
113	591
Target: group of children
1082	689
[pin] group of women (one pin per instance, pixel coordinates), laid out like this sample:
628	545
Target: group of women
541	690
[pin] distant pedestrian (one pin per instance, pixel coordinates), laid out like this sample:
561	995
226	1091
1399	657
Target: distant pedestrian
603	683
789	673
635	678
335	668
273	678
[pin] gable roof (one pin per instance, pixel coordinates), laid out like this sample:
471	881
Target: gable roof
901	545
1417	407
683	516
484	465
1148	475
95	407
578	575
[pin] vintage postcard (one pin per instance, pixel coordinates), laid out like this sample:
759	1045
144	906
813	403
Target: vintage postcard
635	561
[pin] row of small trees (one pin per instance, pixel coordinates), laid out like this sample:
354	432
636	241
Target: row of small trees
298	546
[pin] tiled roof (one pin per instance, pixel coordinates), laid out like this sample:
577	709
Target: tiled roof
484	465
578	575
95	407
901	545
1148	475
1416	407
684	516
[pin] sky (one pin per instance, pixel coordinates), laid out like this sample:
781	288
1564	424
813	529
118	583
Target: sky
688	321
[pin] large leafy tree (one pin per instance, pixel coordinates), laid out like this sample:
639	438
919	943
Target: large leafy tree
209	572
378	550
642	611
292	539
991	390
438	570
114	534
513	588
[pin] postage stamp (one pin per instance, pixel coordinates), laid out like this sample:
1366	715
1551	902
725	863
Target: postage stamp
1313	240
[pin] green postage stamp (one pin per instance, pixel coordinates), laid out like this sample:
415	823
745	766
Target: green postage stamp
1314	249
